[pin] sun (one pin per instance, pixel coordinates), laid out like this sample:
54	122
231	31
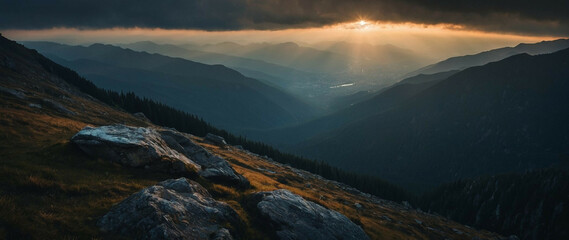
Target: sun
359	25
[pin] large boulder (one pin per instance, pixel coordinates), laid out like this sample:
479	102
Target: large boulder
297	218
134	147
173	209
213	167
217	140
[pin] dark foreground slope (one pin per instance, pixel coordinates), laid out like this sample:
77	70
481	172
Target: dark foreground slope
505	116
51	190
220	95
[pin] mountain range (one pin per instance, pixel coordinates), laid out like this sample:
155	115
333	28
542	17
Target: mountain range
501	117
290	79
361	106
219	94
462	62
311	73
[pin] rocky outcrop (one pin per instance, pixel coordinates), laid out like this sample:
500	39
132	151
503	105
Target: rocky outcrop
297	218
217	140
173	209
163	149
13	92
213	167
216	168
141	116
134	147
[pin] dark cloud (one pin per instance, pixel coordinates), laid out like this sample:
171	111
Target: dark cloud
547	17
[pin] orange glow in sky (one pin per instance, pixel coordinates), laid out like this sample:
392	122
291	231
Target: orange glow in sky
444	40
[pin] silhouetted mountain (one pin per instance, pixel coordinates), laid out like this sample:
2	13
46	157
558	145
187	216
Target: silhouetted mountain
286	54
314	87
342	102
423	78
462	62
218	94
504	116
328	73
384	62
287	78
532	205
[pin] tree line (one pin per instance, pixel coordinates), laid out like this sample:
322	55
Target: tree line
532	205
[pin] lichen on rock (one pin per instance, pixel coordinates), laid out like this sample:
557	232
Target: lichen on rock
172	209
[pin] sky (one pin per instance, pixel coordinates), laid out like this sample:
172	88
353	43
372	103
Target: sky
464	26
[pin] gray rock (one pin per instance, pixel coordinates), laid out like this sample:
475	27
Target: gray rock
172	209
34	105
13	92
358	206
457	231
57	106
134	147
213	167
296	218
217	140
141	116
165	150
222	234
513	237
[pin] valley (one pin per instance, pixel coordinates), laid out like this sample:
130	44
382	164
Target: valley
284	119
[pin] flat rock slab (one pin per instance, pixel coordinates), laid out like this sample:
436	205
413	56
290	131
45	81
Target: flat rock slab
172	209
162	149
132	146
297	218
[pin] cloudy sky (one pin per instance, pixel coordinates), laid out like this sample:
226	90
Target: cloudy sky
546	17
495	23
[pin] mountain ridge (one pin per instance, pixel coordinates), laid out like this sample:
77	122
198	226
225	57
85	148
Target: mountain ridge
224	95
487	105
462	62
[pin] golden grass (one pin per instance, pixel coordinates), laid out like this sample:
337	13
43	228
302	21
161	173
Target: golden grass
51	190
266	176
47	197
48	188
